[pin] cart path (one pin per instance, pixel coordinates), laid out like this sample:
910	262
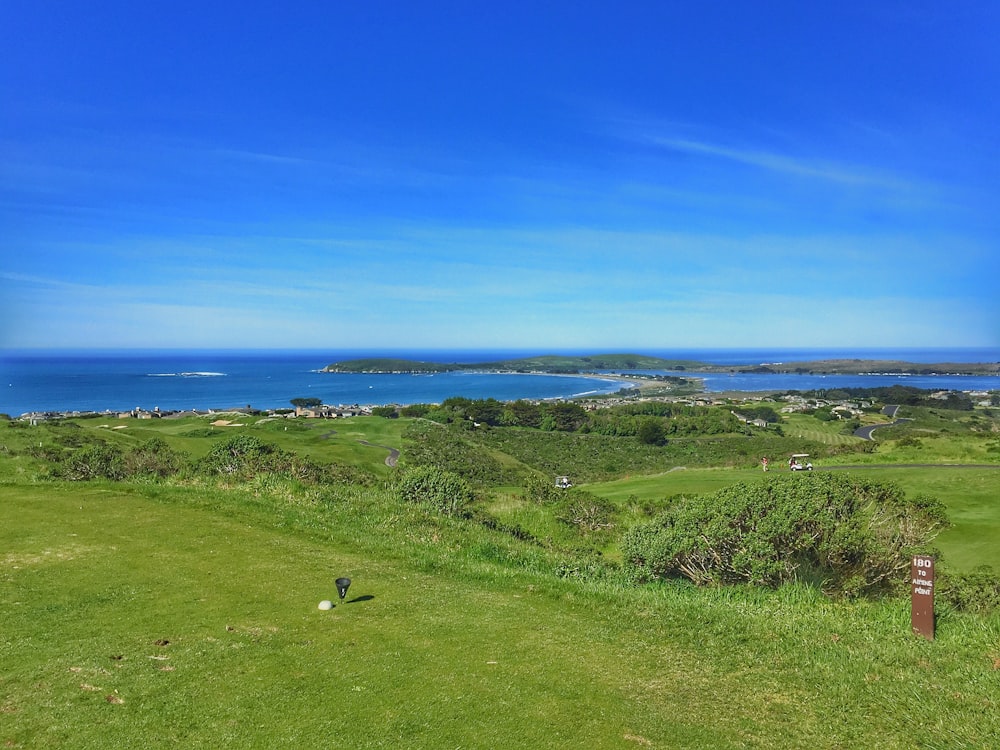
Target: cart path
908	466
390	460
890	410
393	456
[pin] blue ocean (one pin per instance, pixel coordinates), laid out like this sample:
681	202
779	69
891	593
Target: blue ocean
172	380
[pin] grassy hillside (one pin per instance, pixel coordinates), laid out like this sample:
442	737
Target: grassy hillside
166	618
182	612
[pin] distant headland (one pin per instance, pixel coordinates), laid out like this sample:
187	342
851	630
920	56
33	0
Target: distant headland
576	365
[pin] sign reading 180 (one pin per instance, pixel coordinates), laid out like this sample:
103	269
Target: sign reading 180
923	582
922	596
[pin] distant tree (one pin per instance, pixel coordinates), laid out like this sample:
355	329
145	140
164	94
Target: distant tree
566	416
652	431
486	411
389	412
767	413
525	413
306	403
415	410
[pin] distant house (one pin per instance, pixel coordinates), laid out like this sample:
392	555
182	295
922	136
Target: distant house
139	413
330	412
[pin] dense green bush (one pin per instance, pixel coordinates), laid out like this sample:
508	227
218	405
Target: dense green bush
154	458
436	489
852	536
96	461
244	456
978	591
100	460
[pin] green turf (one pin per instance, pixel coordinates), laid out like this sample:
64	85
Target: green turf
184	614
159	620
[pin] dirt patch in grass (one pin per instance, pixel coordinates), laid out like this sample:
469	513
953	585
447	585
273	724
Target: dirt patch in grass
17	560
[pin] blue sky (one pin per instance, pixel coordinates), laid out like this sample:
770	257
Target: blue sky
536	175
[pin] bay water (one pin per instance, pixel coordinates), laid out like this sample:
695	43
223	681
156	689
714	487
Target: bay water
35	381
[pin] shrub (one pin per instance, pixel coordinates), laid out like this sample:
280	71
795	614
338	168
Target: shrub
436	489
243	456
97	461
853	536
978	591
588	513
154	458
543	492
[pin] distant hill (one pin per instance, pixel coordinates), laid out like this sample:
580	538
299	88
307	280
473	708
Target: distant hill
869	366
550	364
563	364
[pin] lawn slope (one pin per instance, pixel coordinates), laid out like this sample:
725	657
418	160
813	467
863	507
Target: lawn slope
186	617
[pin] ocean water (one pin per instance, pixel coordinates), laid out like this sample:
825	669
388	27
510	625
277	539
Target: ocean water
119	381
263	380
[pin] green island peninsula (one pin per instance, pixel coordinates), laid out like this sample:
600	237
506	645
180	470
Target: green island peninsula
581	365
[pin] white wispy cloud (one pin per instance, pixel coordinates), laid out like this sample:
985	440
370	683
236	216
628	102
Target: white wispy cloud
777	162
46	282
261	157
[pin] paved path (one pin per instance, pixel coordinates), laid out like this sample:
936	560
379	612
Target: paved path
393	456
909	466
890	410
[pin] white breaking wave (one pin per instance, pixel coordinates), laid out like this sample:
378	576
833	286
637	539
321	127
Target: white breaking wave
186	375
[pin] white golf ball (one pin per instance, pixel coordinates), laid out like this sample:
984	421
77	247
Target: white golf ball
326	604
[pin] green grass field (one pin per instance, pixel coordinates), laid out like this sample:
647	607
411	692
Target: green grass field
133	620
326	440
184	614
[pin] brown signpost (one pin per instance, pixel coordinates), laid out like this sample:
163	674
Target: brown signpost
922	596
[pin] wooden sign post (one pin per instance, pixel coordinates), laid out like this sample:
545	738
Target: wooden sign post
922	596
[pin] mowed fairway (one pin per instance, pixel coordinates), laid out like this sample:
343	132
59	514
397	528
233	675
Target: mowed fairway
171	620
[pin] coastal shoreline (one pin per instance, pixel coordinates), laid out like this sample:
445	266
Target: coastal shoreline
99	385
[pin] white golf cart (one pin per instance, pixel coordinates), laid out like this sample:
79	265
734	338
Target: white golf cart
798	463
